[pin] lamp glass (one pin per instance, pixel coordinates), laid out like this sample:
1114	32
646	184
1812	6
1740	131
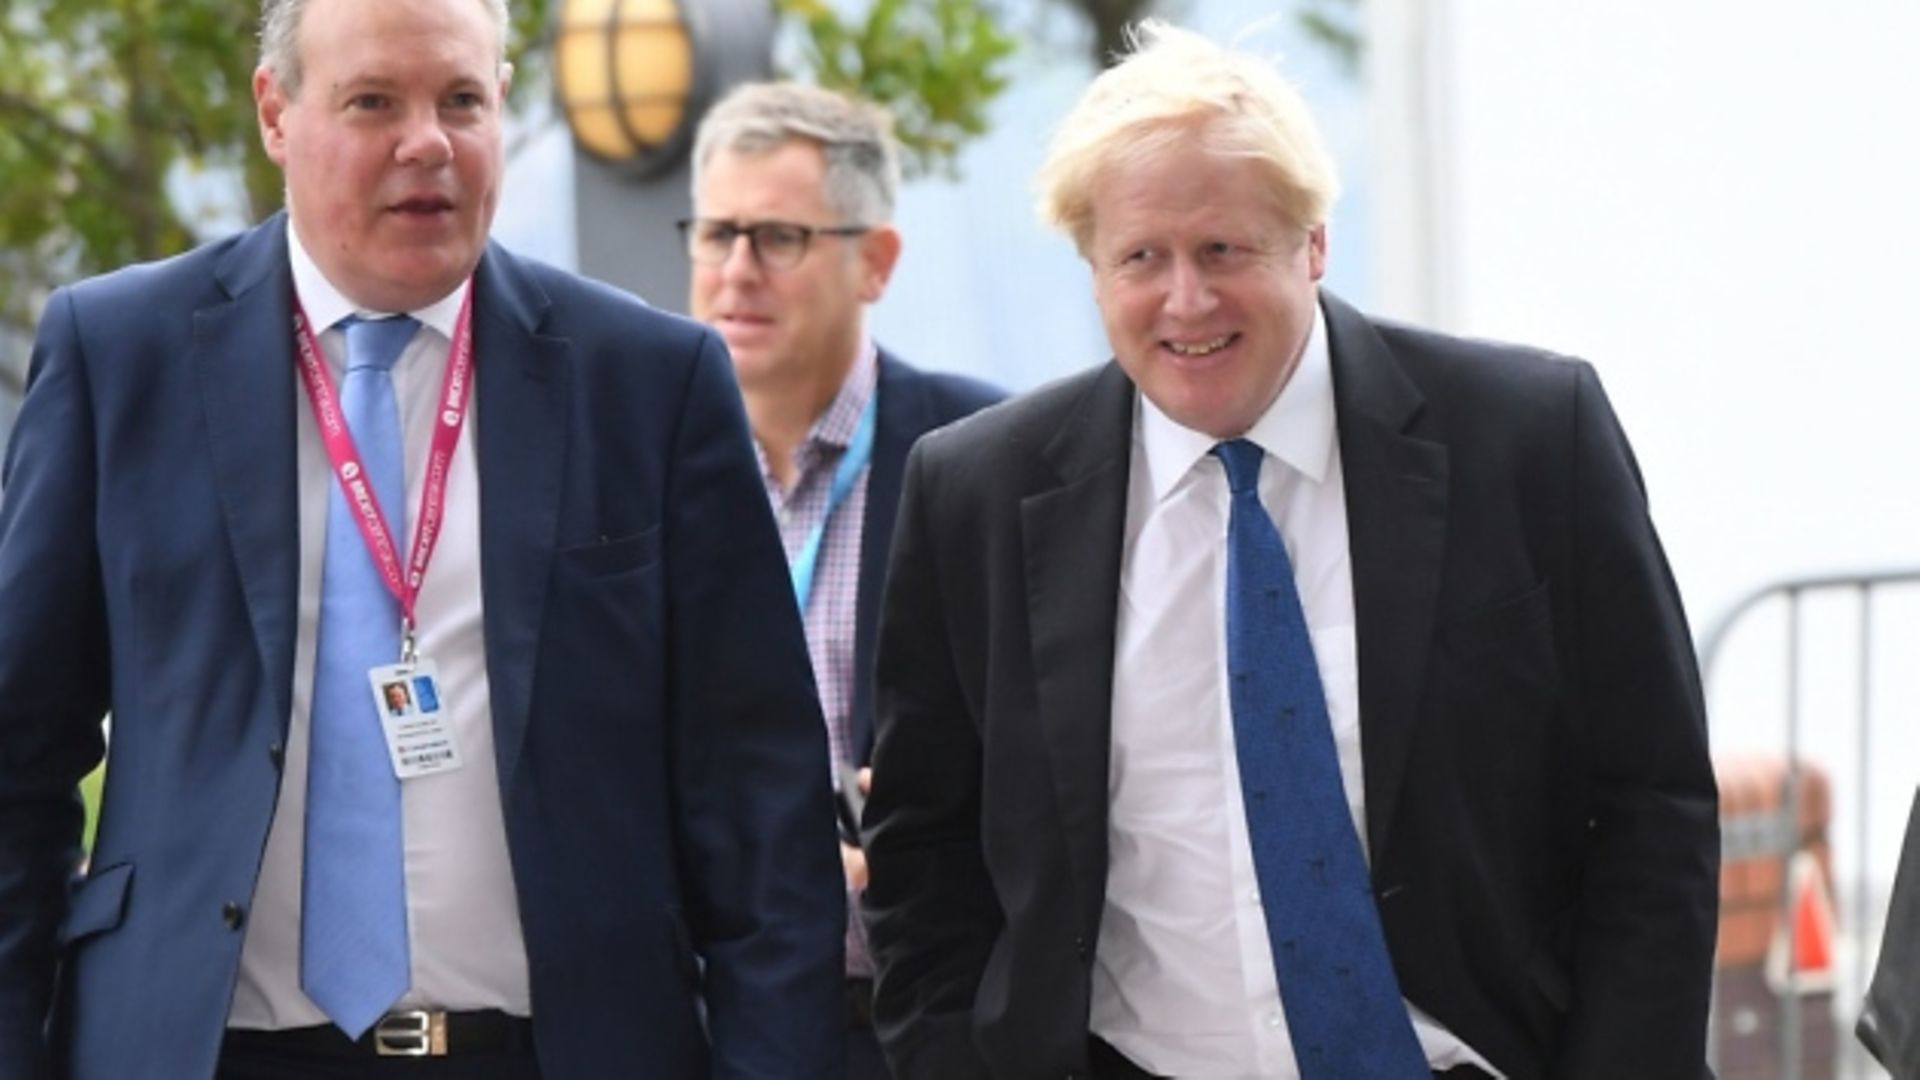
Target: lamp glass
623	71
655	69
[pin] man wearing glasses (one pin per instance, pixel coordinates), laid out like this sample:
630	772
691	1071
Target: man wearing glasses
793	191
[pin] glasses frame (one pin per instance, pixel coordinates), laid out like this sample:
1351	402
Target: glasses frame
689	235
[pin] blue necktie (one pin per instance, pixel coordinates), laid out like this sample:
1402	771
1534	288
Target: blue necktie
1343	1005
353	915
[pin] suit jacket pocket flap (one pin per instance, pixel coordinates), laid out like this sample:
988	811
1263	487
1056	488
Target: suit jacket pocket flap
98	904
608	557
1520	618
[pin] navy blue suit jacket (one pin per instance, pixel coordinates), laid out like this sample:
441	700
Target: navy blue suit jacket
911	403
658	743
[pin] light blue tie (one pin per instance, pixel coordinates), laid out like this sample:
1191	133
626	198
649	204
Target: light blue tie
353	917
1343	1005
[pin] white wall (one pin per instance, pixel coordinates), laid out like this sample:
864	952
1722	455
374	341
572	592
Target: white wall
1718	203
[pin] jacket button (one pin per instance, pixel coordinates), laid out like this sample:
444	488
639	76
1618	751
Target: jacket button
232	915
1080	949
277	754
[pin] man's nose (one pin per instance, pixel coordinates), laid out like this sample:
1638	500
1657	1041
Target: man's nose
1189	293
423	140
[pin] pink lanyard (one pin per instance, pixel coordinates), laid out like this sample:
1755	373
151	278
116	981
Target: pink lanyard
345	457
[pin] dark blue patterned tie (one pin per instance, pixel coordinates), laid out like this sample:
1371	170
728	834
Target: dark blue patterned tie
1343	1005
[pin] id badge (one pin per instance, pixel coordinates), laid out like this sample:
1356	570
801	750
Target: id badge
419	733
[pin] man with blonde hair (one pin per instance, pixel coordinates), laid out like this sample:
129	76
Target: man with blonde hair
1298	695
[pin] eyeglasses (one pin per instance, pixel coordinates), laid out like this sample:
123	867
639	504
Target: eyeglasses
777	245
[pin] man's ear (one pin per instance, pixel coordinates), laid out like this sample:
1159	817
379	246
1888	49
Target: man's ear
1317	251
879	251
270	102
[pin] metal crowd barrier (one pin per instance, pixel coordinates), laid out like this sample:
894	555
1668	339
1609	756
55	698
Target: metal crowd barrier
1780	832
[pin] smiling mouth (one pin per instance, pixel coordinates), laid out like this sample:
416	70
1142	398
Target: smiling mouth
1201	348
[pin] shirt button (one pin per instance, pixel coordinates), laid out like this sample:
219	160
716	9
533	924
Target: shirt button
1274	1019
1253	896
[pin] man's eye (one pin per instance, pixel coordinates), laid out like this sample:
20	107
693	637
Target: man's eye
780	237
367	101
467	99
718	235
1225	254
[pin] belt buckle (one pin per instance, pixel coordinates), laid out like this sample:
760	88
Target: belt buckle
411	1033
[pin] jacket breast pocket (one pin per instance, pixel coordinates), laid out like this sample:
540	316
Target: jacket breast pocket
1513	625
604	627
612	557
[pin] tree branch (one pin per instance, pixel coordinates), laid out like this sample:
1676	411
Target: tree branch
15	107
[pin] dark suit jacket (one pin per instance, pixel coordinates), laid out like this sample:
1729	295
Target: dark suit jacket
659	748
911	403
1539	803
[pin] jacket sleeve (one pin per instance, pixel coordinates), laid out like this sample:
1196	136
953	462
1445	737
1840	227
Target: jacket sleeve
930	909
53	676
755	819
1645	921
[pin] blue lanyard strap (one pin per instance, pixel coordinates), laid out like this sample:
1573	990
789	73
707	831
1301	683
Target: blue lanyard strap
859	452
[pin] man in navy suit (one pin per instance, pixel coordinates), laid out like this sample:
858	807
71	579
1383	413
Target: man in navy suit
793	191
630	870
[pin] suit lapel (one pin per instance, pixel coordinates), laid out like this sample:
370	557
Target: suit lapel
1396	486
243	356
903	412
521	390
1072	534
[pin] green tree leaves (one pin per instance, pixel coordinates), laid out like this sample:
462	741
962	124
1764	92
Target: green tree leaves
932	62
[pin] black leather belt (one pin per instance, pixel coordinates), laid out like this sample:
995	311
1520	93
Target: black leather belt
402	1033
859	1002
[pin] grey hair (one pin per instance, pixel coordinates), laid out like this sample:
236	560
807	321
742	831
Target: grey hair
280	32
855	138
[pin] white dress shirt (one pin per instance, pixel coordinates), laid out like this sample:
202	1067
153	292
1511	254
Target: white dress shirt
1183	978
463	917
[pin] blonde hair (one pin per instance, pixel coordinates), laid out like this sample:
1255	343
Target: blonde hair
1173	85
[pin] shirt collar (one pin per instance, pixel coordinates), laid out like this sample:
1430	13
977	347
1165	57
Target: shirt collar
326	305
1298	427
842	416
